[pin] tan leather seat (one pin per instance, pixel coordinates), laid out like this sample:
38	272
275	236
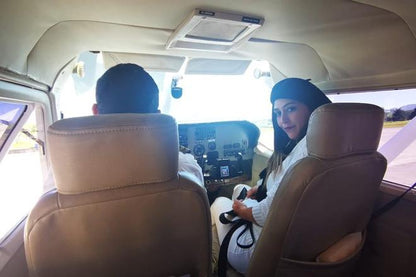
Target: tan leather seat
324	197
121	208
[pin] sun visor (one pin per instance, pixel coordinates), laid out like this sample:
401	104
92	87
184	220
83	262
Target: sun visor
149	62
216	66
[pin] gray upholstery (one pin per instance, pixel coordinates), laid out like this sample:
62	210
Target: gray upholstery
121	208
325	196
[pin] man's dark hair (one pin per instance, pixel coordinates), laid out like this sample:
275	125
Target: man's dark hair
126	88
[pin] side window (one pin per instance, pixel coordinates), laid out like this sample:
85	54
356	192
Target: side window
398	145
20	168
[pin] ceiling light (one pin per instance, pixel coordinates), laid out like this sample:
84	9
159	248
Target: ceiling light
213	31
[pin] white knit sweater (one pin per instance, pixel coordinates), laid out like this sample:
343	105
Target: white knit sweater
261	210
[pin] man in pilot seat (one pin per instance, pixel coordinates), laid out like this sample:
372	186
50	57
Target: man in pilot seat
128	88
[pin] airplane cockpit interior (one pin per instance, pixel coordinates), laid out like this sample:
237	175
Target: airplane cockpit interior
224	150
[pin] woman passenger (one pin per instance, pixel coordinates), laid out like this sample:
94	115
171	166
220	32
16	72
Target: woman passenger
293	101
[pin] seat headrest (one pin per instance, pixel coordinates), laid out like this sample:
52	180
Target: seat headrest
114	150
341	129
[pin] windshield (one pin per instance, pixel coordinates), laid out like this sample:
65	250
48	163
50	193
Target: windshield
205	98
209	98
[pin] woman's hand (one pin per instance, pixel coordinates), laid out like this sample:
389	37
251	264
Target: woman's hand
242	211
251	193
238	206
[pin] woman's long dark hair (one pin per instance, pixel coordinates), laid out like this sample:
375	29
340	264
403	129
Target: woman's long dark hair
300	90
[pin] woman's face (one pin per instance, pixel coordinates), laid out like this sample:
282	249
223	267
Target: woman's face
292	116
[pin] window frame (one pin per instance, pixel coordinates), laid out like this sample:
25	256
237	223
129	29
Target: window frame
4	148
3	140
41	103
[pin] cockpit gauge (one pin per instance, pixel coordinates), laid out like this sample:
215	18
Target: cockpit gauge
212	145
199	150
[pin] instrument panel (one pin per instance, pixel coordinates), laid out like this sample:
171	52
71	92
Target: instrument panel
224	150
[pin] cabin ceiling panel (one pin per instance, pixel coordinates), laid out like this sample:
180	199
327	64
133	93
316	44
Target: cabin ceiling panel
333	41
367	42
73	37
24	22
406	9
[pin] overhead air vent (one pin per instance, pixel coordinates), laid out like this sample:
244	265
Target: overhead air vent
213	31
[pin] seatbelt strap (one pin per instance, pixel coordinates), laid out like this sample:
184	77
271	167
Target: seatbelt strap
391	204
237	223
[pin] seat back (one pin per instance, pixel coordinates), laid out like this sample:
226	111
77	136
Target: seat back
120	208
325	196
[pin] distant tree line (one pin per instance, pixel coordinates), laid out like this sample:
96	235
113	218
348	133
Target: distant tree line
400	115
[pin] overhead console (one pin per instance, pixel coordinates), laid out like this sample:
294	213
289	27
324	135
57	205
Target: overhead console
224	150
